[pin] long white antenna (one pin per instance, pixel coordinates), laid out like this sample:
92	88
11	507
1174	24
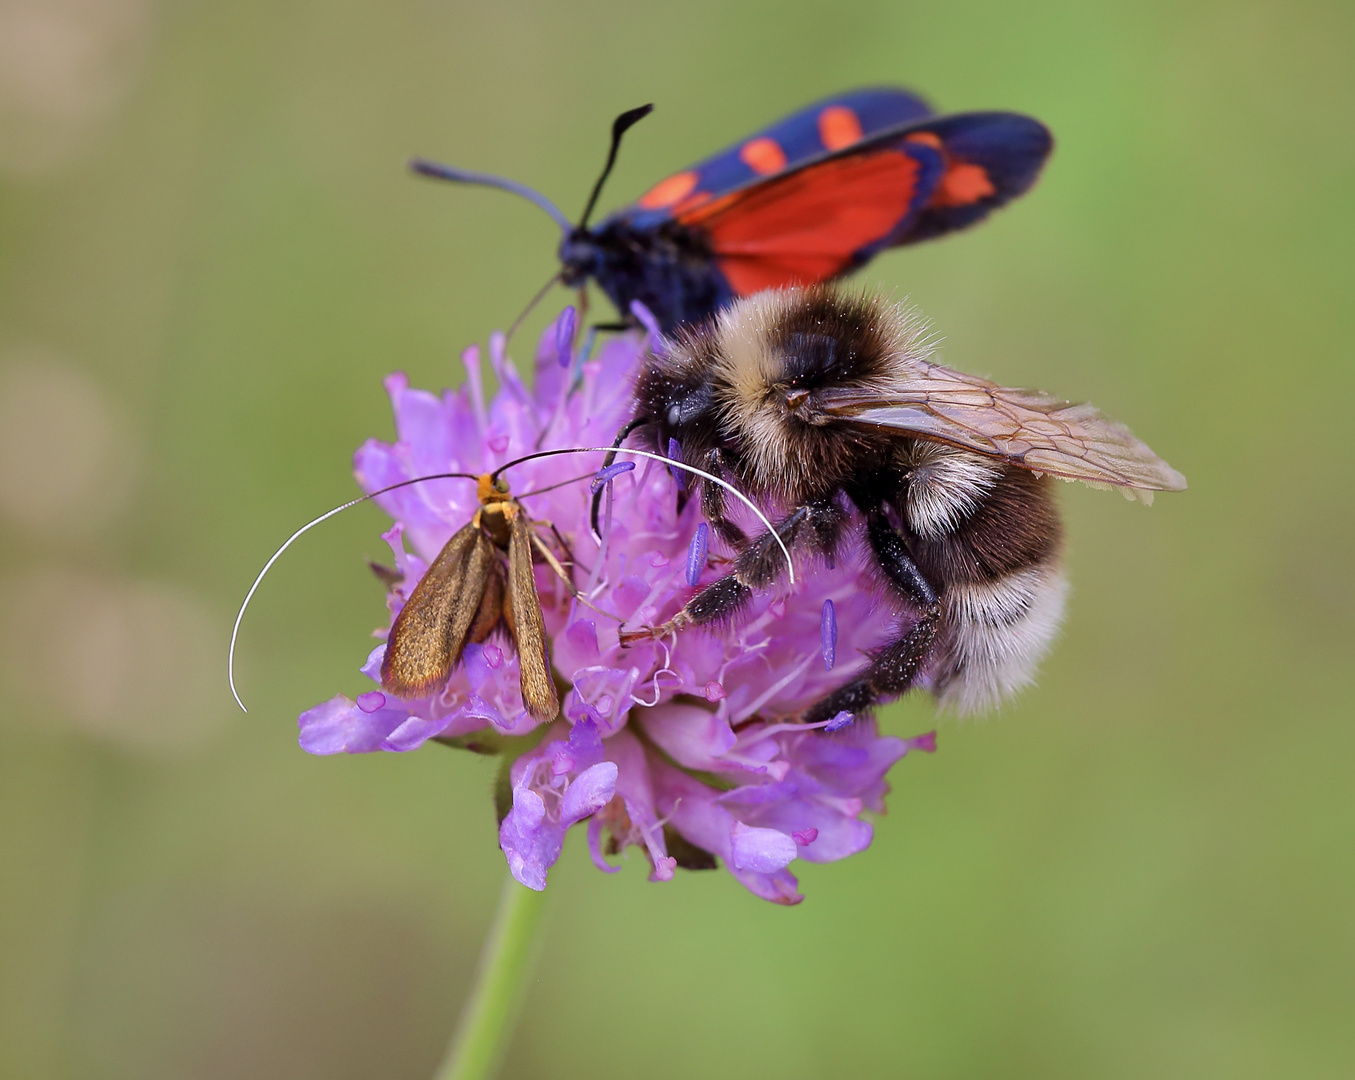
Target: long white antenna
235	630
240	615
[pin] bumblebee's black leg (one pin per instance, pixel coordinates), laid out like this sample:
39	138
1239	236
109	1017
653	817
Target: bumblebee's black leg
815	526
894	667
890	674
713	501
896	561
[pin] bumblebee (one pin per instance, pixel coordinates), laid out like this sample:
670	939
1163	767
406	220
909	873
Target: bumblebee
825	407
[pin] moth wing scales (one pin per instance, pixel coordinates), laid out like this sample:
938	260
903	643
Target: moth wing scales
529	626
429	634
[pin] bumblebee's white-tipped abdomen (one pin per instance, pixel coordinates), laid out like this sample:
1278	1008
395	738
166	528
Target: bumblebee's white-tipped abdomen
998	632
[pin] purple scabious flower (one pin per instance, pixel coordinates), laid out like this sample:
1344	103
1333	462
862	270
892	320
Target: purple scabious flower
682	748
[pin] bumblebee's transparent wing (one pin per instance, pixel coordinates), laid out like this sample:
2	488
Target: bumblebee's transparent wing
1026	427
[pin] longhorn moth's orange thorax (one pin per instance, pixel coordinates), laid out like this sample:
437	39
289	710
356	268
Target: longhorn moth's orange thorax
490	490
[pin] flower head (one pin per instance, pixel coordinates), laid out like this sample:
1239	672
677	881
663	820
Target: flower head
679	747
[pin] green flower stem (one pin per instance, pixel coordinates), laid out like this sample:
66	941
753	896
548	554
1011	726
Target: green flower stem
486	1023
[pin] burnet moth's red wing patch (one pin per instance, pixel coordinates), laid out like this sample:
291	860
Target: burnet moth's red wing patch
805	200
806	226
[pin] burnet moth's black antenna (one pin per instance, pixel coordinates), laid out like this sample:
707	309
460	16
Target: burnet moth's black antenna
438	171
620	126
494	476
466	176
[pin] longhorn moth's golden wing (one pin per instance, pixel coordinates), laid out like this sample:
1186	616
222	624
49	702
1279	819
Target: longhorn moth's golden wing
529	626
431	630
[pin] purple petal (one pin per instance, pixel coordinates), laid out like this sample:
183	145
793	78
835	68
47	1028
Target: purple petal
795	809
635	785
764	851
828	635
851	764
926	743
840	721
414	732
691	807
595	827
372	666
530	842
585	743
510	381
591	790
471	360
696	554
692	736
339	726
607	691
582	634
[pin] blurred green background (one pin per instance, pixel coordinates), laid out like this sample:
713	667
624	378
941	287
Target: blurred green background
210	254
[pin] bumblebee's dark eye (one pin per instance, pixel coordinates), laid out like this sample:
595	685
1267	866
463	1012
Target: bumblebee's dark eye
690	405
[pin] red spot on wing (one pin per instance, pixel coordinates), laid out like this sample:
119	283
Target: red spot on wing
805	227
763	155
961	185
691	202
839	127
668	192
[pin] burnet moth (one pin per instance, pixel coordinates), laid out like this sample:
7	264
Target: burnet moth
808	199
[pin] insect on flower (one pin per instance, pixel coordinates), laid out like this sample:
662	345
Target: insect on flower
826	407
810	198
482	581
